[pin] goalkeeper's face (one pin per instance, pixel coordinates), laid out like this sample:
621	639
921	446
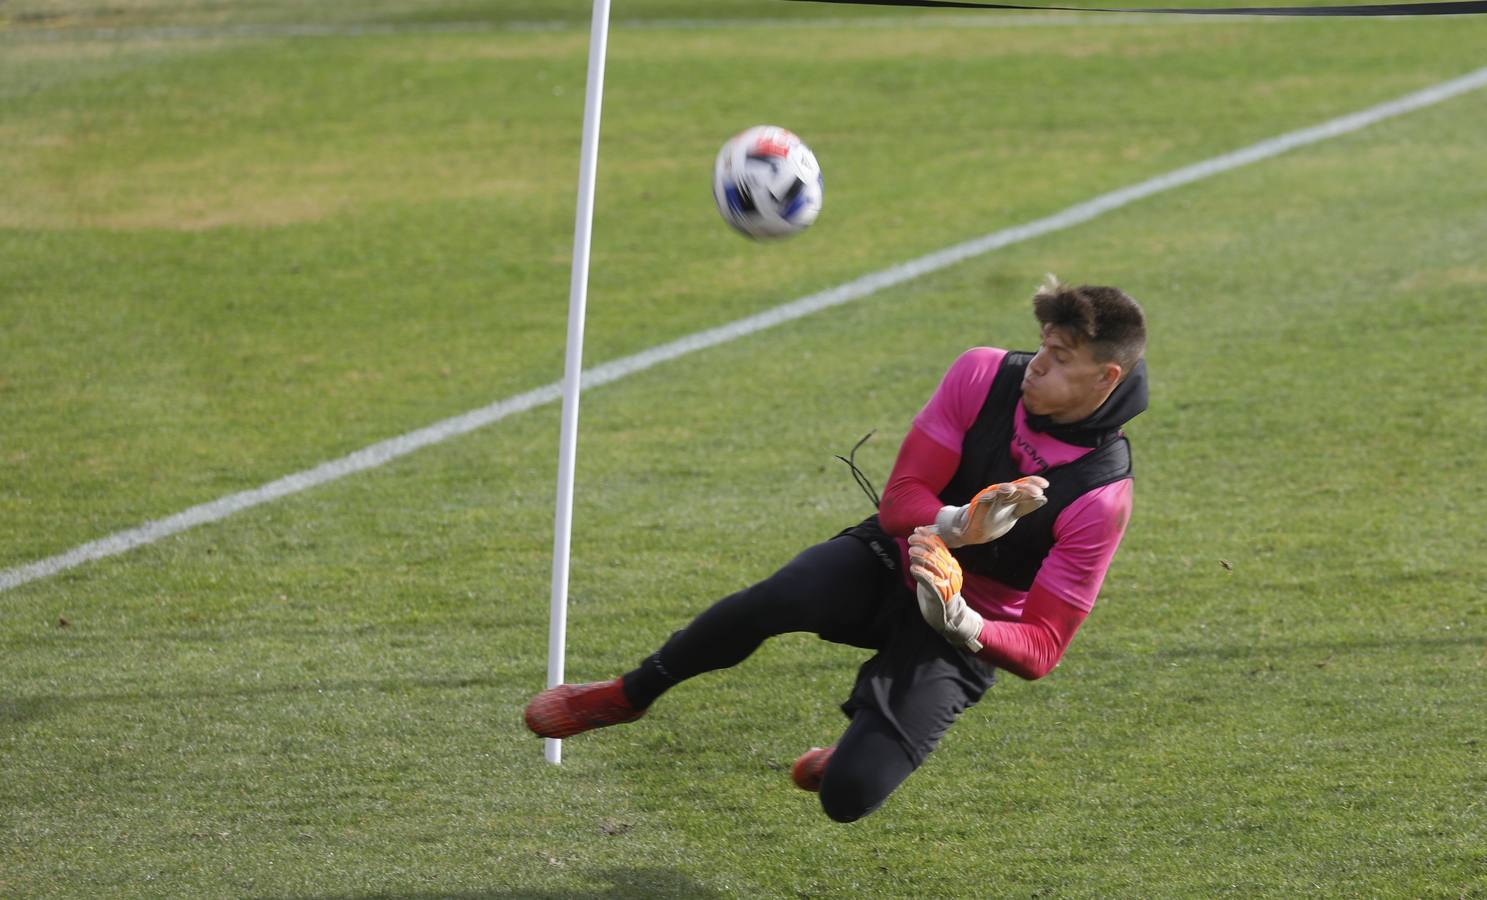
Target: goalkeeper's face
1064	381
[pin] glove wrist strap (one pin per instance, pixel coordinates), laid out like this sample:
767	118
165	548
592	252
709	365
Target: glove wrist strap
947	525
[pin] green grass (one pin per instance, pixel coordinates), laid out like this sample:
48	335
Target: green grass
225	257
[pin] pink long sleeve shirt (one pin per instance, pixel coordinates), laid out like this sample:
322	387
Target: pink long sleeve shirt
1026	631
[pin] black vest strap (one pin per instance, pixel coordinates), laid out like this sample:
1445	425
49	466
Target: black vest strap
986	458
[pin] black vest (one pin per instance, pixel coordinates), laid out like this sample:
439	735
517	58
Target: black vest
986	458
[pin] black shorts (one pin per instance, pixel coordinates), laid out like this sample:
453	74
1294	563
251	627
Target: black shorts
848	590
916	680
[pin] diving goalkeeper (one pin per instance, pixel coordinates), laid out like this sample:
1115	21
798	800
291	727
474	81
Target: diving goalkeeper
1004	508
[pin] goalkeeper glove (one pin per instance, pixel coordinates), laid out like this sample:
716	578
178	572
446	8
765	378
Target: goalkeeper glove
938	581
991	513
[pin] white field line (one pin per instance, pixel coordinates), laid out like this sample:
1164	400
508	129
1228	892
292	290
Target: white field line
384	452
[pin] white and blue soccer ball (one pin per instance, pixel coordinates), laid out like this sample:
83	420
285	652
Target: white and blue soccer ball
767	183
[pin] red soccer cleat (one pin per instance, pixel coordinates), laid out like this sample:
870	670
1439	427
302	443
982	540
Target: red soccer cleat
570	709
808	770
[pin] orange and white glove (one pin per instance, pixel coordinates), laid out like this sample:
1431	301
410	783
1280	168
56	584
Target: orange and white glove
991	513
938	579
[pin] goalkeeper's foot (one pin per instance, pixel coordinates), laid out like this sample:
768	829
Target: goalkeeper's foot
570	709
810	768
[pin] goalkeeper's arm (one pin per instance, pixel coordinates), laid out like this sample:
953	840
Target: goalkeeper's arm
912	496
1030	647
922	470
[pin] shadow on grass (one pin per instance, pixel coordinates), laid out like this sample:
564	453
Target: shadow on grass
20	710
17	711
1308	649
1302	649
381	685
641	884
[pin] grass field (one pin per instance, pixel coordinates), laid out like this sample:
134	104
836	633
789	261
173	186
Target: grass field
238	239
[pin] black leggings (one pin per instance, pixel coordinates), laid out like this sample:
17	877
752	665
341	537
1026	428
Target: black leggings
906	695
869	763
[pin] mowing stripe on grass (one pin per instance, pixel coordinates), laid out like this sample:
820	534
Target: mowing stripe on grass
126	33
385	451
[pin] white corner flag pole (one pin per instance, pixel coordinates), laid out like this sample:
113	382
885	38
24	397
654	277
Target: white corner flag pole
578	290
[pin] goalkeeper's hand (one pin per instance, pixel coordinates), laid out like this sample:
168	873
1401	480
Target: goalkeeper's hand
938	579
991	513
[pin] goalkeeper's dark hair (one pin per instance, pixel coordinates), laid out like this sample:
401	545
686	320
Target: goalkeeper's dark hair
1104	317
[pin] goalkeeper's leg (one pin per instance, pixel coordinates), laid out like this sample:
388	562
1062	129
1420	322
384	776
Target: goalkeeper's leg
867	764
905	699
832	589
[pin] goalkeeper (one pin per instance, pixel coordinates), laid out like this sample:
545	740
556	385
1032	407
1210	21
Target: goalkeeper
1005	506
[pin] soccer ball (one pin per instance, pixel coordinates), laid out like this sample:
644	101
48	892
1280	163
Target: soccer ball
767	183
